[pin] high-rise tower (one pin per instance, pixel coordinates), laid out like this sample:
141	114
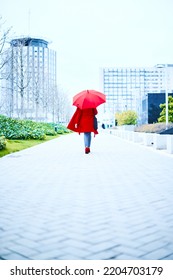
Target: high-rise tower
32	79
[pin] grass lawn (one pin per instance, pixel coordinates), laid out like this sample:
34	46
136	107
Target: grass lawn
18	145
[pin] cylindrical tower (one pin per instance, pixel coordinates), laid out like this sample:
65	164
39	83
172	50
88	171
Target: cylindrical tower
32	78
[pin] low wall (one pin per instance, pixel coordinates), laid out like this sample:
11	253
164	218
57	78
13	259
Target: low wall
156	141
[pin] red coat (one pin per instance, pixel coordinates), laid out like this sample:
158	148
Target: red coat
83	120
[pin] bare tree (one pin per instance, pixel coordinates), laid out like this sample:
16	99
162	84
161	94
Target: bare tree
4	36
4	59
20	75
37	97
61	105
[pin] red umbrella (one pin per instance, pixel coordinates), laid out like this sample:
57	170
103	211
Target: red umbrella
89	99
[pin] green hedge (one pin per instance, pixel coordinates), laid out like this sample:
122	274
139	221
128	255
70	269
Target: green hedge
27	129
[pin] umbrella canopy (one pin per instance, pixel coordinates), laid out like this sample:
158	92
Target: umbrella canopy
89	99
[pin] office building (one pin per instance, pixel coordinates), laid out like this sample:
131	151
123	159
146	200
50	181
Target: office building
125	88
31	82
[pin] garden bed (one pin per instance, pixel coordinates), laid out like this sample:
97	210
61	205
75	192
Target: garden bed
153	128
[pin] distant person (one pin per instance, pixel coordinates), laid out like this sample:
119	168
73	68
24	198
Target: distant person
82	121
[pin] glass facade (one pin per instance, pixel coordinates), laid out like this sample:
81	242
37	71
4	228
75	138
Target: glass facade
151	106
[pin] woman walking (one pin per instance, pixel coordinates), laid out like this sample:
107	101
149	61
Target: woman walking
82	121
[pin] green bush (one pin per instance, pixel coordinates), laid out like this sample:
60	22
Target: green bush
126	118
27	129
59	128
3	142
20	129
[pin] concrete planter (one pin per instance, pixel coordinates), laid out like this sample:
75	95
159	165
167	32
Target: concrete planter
159	141
137	137
148	139
169	144
129	127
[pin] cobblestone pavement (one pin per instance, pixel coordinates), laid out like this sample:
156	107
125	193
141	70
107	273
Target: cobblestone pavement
58	203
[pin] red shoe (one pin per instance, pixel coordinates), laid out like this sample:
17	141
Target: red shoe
87	150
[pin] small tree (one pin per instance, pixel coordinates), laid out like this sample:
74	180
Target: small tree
126	118
162	117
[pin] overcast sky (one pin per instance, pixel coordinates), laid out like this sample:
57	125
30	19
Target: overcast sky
88	34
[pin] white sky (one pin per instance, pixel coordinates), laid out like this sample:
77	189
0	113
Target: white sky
88	34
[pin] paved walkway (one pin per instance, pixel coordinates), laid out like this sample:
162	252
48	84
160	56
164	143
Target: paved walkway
58	203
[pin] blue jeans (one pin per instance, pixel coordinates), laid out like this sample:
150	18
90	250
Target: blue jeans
87	139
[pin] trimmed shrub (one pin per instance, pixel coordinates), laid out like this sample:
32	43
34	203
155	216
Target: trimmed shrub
126	118
3	142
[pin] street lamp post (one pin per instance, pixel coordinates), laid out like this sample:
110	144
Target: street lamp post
166	94
165	66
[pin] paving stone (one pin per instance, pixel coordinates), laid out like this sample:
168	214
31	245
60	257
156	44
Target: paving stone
26	242
15	256
49	247
10	237
133	252
150	238
125	257
152	246
170	257
22	250
30	236
48	255
75	243
114	203
4	251
102	246
157	254
68	257
76	251
104	255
